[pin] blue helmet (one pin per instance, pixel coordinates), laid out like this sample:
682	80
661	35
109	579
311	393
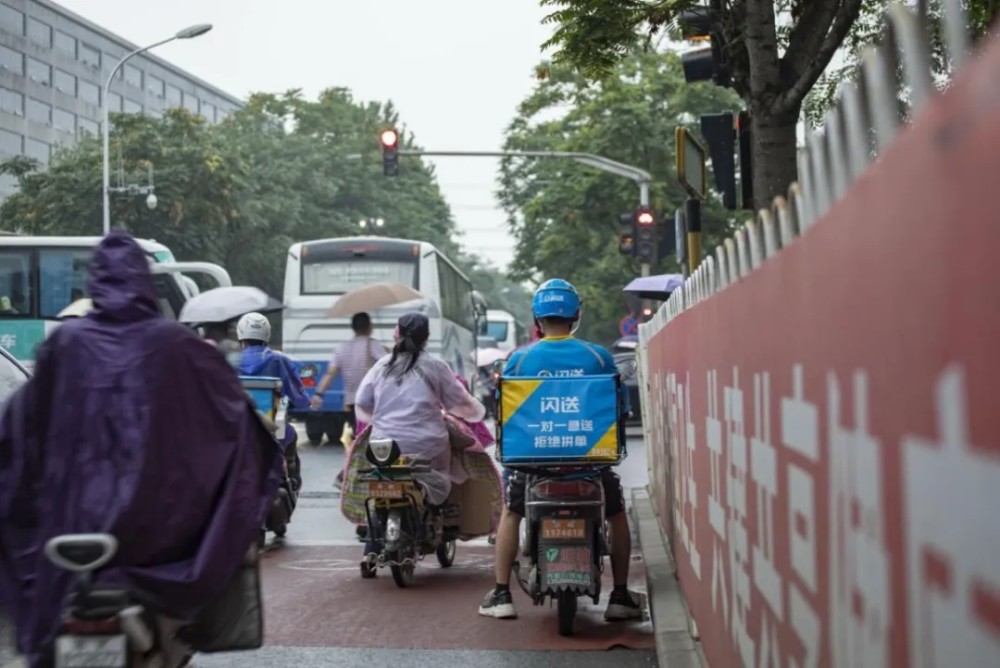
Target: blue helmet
556	298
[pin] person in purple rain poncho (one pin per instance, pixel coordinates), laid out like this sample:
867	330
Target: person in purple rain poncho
131	426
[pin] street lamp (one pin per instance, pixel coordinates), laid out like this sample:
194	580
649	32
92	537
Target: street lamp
366	223
187	33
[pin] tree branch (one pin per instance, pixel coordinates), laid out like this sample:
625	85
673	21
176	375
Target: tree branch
807	35
841	25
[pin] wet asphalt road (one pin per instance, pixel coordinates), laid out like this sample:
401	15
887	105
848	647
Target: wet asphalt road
318	525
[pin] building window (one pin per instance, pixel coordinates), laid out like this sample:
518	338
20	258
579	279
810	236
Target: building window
11	143
40	72
86	126
131	107
208	111
64	120
12	102
39	111
40	33
109	62
39	150
11	20
89	92
156	86
11	60
114	102
191	103
65	82
65	44
133	76
173	96
90	56
221	115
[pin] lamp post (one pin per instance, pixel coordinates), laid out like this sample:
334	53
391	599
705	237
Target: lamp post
367	224
187	33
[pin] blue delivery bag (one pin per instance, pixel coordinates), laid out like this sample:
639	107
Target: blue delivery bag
551	421
265	391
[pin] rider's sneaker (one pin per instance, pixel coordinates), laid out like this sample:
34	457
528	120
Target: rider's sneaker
623	605
498	604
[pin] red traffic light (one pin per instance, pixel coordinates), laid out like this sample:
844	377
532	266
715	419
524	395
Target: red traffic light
389	138
645	218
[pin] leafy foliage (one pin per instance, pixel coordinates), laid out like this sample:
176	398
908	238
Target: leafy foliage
868	29
775	52
564	215
283	169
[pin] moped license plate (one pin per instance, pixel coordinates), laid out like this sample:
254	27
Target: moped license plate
106	651
563	529
385	490
567	566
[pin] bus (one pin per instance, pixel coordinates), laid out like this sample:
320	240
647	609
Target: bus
40	276
505	329
318	272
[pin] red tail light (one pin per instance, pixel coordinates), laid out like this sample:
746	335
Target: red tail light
92	627
561	489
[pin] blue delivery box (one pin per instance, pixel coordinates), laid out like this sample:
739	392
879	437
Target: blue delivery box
569	420
265	391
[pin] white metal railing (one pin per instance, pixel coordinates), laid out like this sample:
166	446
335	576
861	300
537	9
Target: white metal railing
833	157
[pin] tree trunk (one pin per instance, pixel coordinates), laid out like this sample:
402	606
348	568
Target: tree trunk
774	154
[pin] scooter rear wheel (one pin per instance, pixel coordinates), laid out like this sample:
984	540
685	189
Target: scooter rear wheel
566	606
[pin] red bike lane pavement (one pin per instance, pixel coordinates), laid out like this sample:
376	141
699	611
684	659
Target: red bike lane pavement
314	596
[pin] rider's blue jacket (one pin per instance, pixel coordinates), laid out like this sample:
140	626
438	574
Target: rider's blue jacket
562	356
262	361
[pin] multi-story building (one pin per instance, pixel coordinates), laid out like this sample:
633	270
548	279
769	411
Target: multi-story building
53	67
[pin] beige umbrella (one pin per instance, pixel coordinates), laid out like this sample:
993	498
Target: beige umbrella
371	298
77	309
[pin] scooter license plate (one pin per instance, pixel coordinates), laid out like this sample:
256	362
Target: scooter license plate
385	490
109	651
567	566
559	530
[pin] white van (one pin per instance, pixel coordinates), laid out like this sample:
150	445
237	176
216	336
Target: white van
505	329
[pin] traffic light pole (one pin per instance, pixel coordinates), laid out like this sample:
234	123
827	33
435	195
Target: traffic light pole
640	176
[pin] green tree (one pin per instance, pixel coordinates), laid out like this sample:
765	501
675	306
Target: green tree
776	50
239	193
564	216
981	14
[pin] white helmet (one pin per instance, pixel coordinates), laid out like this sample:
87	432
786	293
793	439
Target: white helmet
255	327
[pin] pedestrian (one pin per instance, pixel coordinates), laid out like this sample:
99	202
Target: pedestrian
352	360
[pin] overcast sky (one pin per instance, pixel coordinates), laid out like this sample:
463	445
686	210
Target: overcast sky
456	69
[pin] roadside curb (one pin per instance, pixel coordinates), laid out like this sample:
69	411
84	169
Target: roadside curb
675	646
